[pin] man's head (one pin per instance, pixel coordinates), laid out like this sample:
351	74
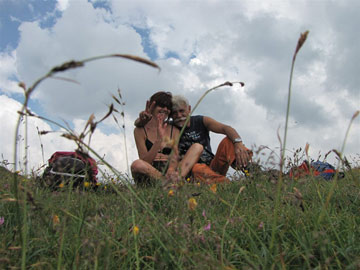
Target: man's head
180	110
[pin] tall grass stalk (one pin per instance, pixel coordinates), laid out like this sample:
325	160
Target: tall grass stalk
300	43
122	113
197	104
334	183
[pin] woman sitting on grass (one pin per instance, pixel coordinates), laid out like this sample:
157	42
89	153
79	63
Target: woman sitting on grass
155	139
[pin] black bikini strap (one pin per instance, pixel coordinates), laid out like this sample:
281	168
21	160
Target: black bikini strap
145	132
172	126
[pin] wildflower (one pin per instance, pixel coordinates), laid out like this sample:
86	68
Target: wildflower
171	193
213	188
192	204
198	184
261	225
188	179
61	185
207	227
136	230
204	213
2	220
56	219
86	184
98	184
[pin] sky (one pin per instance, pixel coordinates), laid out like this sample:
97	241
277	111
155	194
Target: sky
198	45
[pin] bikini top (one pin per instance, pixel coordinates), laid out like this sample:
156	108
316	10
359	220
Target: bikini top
149	144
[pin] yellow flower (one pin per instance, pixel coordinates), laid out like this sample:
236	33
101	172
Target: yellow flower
171	193
86	184
192	204
56	219
98	184
136	230
188	179
61	185
213	188
198	184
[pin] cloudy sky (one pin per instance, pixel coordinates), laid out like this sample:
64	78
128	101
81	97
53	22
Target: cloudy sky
198	45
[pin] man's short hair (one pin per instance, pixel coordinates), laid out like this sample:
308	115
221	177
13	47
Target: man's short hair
179	101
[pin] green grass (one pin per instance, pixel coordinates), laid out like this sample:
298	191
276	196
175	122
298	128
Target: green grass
94	229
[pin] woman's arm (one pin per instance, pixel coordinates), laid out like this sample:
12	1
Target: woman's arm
143	153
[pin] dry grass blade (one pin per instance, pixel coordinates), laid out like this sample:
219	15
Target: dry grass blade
65	79
70	137
43	132
115	119
301	41
356	114
22	85
307	146
111	108
116	100
137	59
67	65
89	122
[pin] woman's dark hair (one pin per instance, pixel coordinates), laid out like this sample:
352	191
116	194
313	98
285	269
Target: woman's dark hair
162	99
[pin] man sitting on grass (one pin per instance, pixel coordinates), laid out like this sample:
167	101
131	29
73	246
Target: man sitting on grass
231	150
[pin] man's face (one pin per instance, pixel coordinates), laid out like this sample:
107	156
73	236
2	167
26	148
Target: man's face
180	114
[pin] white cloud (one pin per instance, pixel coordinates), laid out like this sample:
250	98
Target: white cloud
215	41
62	4
8	72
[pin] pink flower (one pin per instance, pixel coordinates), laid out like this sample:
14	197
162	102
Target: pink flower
2	220
204	213
261	225
207	227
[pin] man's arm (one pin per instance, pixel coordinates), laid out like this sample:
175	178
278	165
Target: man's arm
241	152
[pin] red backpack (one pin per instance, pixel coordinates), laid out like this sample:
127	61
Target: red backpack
70	167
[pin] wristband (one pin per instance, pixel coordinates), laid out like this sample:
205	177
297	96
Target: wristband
237	140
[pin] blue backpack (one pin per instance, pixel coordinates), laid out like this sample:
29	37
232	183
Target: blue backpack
316	168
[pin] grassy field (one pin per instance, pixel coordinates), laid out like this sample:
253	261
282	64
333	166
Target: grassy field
191	226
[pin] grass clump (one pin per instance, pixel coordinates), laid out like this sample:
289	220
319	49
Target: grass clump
82	229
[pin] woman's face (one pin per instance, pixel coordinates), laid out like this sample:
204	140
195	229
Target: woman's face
161	110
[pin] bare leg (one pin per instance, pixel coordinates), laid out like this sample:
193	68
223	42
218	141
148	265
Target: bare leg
191	157
142	167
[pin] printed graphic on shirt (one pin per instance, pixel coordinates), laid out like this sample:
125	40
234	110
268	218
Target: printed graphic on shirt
197	133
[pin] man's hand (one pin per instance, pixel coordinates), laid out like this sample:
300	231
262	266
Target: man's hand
146	115
242	154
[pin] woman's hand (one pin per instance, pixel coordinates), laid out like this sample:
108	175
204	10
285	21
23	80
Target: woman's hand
146	115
